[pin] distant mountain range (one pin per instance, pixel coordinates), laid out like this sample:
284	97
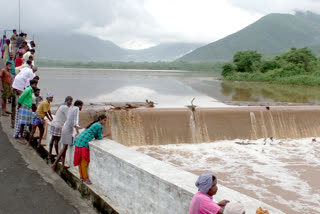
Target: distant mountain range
76	47
271	35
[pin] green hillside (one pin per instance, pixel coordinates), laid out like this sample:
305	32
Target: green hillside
271	35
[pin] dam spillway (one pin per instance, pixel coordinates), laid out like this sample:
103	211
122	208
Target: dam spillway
162	126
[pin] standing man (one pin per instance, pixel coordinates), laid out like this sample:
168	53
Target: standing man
14	41
25	108
13	67
5	87
19	41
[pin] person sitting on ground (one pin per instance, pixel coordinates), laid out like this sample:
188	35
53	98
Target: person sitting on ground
21	81
234	207
5	87
25	109
81	143
57	124
67	131
28	54
42	112
202	201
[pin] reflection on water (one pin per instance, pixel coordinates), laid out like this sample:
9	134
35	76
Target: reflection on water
167	88
261	92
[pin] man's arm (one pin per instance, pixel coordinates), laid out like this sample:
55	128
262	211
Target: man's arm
1	87
48	116
49	112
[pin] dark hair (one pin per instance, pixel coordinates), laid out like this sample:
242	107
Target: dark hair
20	54
31	56
14	30
101	117
7	63
214	178
37	89
21	34
29	62
33	82
4	36
32	50
36	78
68	98
78	103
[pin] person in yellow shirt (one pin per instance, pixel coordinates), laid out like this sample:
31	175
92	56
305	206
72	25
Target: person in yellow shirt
38	121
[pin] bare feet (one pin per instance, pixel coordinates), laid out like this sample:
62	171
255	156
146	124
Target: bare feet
22	141
87	181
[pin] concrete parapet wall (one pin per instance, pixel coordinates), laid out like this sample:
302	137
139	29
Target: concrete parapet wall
135	183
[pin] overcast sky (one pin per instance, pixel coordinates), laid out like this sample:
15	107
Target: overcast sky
142	23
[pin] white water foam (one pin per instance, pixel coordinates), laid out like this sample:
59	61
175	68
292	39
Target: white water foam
282	173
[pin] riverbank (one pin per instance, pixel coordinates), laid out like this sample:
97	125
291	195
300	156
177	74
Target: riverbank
186	66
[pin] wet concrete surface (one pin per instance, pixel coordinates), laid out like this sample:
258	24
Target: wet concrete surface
23	189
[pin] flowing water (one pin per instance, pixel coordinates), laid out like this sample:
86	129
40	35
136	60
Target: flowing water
283	173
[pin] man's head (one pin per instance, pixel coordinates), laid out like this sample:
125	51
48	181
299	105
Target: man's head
33	84
234	207
9	65
68	100
37	92
31	58
11	56
207	184
79	104
14	31
49	97
20	54
29	62
25	35
21	34
4	36
32	51
32	44
36	78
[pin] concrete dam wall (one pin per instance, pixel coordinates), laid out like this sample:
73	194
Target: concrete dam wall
138	127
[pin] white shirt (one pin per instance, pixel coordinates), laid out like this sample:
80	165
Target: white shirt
72	118
61	116
22	80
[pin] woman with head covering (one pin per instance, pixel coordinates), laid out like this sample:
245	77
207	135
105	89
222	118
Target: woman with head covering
38	120
202	201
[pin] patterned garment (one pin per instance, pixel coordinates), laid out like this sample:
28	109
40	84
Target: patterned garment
94	131
67	136
55	131
36	120
7	91
25	114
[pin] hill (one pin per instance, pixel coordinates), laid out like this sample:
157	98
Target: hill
271	35
76	47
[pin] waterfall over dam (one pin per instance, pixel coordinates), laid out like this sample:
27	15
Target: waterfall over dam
161	126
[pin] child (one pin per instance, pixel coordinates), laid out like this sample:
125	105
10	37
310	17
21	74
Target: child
42	112
81	152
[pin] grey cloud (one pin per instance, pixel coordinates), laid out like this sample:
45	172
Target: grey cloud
277	6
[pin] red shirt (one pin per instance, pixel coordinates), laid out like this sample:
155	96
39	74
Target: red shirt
19	62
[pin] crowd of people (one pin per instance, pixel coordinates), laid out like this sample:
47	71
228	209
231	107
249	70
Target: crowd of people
19	85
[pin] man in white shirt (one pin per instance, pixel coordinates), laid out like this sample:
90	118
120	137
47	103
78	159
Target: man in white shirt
22	79
57	124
